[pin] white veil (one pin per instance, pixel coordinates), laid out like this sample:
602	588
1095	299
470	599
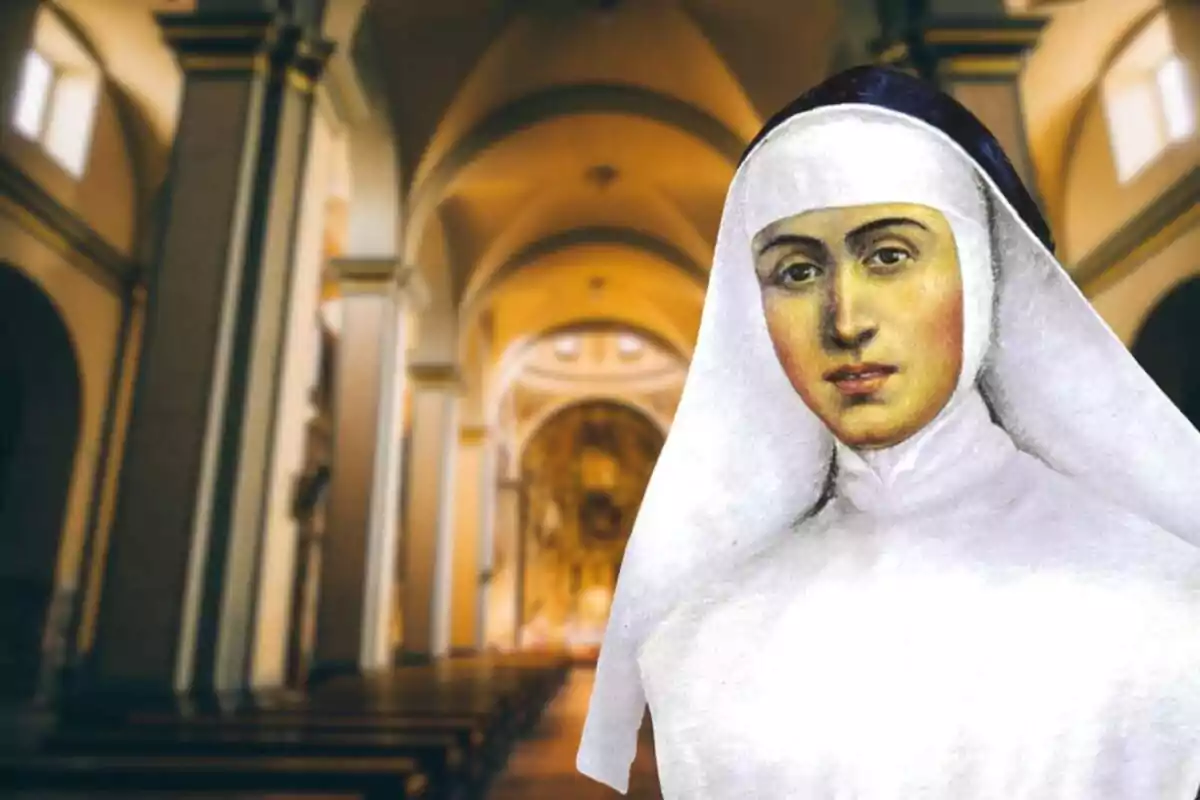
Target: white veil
745	457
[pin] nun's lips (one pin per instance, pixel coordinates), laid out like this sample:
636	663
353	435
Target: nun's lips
860	379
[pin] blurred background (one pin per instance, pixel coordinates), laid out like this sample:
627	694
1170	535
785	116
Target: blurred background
339	338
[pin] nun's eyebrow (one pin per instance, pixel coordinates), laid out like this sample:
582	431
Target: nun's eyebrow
885	222
791	238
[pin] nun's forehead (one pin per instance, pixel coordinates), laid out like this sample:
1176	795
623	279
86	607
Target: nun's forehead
852	156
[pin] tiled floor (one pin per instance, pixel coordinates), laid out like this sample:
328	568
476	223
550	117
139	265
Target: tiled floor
543	766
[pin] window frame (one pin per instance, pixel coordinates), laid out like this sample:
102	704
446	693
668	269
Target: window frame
1137	69
38	135
66	127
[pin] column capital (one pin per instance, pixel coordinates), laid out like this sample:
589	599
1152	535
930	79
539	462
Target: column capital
245	43
365	275
436	377
307	61
958	47
381	275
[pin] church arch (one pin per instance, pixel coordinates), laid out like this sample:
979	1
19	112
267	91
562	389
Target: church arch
1168	346
648	243
41	402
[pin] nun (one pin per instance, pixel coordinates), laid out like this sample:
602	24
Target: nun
922	528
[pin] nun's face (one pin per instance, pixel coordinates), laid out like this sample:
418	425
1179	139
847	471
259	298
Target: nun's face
864	306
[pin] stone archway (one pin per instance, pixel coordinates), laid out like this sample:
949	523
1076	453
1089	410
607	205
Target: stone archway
40	414
1168	347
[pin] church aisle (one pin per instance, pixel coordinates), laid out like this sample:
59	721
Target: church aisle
542	767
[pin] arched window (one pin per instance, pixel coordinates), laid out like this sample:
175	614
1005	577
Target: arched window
1148	99
56	102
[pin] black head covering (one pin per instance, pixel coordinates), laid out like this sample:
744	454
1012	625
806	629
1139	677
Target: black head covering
906	94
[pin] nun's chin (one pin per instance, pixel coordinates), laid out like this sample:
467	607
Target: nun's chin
878	426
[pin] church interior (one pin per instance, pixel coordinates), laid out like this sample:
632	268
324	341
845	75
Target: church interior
339	338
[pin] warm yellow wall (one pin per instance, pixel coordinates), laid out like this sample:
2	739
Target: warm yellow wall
107	196
92	315
1125	303
465	567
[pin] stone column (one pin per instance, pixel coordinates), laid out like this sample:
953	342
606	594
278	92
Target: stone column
1183	17
466	588
429	529
487	536
354	617
177	610
504	590
297	411
975	53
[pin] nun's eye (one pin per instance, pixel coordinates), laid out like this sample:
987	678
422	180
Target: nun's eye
796	274
889	258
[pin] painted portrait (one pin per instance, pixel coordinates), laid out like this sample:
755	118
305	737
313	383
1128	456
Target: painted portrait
922	527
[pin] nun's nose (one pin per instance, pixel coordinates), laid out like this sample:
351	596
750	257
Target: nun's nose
849	327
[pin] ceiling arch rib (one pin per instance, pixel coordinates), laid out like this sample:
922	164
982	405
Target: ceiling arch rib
642	197
630	238
434	181
591	280
533	318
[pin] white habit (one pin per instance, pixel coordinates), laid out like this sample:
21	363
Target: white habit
1006	606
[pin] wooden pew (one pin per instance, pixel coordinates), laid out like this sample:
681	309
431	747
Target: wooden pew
485	705
440	757
476	735
456	721
369	778
454	752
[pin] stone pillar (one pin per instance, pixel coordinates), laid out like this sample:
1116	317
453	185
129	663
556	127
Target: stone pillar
975	55
354	618
466	587
505	590
297	410
429	529
487	536
178	605
1183	17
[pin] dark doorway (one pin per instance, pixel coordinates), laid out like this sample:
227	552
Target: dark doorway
1168	347
40	401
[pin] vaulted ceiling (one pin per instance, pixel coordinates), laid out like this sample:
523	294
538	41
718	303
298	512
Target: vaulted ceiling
550	147
574	155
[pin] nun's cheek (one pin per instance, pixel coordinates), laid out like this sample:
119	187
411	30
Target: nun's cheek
932	315
795	336
795	331
790	316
